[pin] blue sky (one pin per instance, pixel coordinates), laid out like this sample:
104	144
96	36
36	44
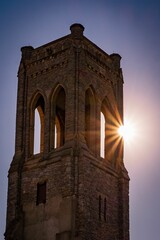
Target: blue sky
130	28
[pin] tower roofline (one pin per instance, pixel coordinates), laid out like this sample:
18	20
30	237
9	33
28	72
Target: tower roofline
77	30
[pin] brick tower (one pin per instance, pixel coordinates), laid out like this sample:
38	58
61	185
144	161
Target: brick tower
67	180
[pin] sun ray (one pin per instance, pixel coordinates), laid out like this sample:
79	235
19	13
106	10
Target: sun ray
127	131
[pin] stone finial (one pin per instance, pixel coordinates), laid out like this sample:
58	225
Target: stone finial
26	52
77	29
116	59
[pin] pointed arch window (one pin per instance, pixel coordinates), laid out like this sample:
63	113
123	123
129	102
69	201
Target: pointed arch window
37	140
59	118
90	119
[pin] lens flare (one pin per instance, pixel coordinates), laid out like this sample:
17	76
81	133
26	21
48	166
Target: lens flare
127	131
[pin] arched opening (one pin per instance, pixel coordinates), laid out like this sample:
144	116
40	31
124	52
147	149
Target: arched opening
36	129
90	119
38	142
59	118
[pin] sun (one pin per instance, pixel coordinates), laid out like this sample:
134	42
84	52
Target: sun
127	131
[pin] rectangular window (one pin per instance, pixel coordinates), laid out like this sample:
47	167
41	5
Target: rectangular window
41	193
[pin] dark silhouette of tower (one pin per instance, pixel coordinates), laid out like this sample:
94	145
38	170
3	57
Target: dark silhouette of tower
67	179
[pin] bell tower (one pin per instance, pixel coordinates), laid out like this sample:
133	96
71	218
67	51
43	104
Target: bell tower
67	179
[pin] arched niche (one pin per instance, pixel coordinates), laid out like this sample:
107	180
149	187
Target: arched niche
37	124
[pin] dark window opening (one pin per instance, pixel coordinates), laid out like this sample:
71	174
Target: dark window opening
100	203
105	208
41	193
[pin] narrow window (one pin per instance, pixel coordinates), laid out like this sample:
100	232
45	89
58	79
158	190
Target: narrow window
37	131
100	203
41	193
59	134
105	208
55	136
102	134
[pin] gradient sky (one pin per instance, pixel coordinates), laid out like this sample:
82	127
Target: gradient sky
128	27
